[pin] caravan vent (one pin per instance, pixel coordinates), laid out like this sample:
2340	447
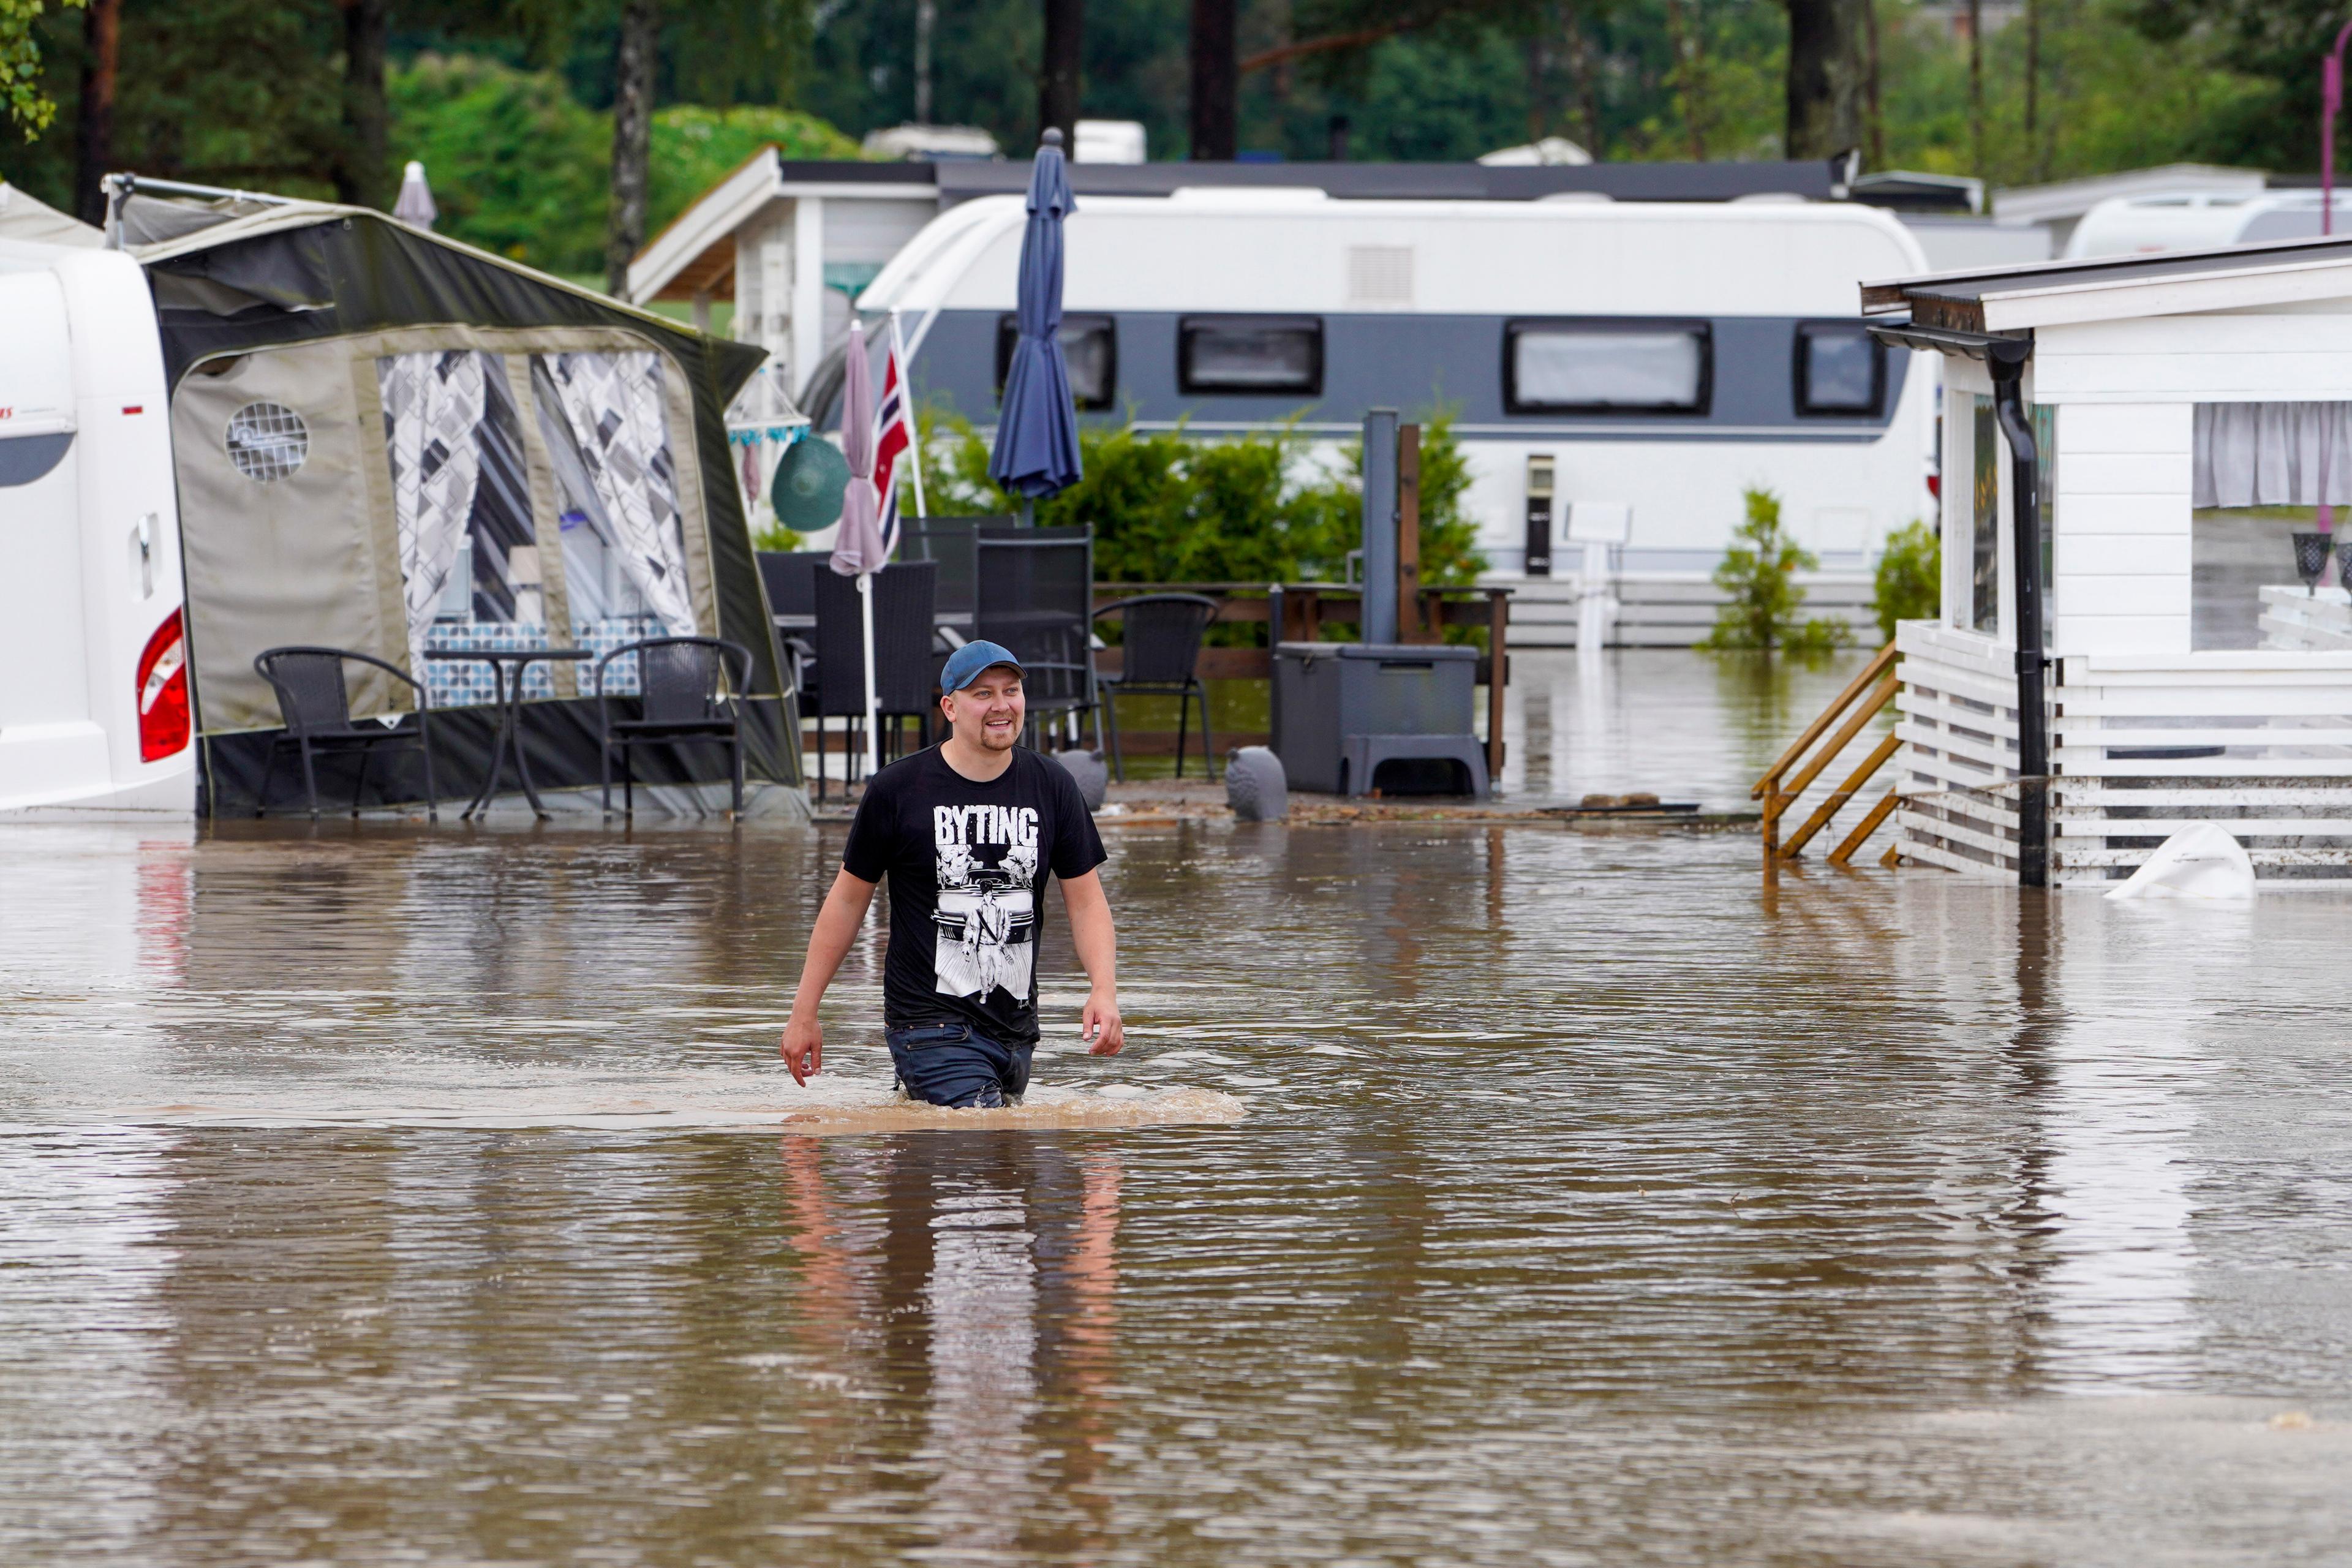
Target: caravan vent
1380	276
266	441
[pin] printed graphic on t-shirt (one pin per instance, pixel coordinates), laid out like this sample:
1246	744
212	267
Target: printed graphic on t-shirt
987	911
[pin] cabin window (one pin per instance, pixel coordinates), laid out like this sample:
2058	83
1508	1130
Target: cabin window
1613	365
1840	369
2045	495
1984	533
1250	354
1090	349
2270	493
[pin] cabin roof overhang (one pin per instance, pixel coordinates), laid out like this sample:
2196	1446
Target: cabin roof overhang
2060	293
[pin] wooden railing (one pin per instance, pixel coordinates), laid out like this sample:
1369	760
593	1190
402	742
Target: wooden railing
1786	780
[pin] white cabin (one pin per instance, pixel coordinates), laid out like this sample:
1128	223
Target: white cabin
2192	424
94	709
1656	355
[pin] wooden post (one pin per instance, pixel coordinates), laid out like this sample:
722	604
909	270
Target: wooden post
1499	662
1410	625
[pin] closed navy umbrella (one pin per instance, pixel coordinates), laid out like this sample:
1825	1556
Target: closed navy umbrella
1037	430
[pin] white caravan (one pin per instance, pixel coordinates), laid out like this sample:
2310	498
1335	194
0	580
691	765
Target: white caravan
93	676
1659	357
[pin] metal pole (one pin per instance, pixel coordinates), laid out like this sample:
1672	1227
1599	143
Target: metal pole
2008	366
1379	622
865	611
906	402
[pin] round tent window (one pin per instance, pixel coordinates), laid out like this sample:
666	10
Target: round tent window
266	441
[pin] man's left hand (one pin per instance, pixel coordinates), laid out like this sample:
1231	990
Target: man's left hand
1100	1026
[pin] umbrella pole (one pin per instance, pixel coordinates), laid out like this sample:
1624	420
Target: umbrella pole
866	612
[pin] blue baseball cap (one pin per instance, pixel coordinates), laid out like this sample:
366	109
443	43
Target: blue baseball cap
964	665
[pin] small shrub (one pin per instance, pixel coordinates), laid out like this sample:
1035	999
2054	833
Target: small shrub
1909	578
1759	571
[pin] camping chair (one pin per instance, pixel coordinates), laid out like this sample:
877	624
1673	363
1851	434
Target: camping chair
1035	595
1161	656
316	702
790	576
691	691
905	675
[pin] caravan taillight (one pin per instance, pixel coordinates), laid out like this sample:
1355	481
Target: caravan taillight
164	692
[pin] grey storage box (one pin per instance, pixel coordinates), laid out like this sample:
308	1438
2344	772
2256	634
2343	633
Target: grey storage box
1343	710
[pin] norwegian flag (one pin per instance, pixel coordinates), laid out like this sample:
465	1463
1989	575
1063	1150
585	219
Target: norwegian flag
893	434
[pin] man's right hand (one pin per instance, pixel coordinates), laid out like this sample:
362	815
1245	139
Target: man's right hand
804	1047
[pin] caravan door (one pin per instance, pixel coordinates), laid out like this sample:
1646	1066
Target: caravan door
93	684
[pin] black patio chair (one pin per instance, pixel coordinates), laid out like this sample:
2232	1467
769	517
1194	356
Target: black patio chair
1035	595
1161	656
315	700
691	688
906	677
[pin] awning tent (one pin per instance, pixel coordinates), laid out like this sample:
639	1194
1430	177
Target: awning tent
391	442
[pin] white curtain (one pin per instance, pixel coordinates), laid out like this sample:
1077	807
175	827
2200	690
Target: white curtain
613	406
432	408
2273	454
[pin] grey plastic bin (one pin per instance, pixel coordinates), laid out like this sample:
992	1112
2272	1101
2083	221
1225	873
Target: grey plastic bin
1342	709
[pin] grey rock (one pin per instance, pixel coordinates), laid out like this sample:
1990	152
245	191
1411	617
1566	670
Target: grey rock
1255	787
1093	778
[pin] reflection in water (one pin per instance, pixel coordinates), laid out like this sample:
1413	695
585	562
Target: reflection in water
1591	1207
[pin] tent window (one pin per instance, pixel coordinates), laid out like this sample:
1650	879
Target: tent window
2271	484
616	490
266	441
469	557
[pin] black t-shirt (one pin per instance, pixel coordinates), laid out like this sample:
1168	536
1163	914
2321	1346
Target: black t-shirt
968	864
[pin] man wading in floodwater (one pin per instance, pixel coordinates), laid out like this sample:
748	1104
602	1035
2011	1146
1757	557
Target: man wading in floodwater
969	831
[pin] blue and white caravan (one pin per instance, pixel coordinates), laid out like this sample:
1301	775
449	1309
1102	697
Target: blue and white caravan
1659	357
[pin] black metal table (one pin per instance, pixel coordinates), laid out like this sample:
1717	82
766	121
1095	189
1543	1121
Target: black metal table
502	661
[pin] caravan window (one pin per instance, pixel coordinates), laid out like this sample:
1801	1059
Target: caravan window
1257	354
1089	347
1607	365
1841	368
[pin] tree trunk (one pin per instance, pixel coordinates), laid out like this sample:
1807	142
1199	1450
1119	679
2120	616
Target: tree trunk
1688	84
1826	76
1057	81
102	33
1588	99
1871	106
359	169
1976	89
2033	71
633	112
926	16
1217	79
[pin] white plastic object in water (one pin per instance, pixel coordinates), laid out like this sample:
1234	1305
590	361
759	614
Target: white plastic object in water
2198	862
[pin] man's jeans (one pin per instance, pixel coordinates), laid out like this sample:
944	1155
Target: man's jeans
956	1065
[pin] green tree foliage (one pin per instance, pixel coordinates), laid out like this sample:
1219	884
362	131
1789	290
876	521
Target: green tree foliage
1908	583
22	101
517	166
695	148
1168	508
1759	575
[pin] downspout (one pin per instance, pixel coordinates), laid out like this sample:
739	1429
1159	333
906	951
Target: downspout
2006	362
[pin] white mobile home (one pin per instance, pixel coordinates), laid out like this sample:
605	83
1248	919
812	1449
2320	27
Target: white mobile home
2189	421
1663	356
94	700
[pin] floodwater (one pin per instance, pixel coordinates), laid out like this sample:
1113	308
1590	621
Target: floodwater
381	1194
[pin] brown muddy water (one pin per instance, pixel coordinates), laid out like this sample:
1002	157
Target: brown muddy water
380	1194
